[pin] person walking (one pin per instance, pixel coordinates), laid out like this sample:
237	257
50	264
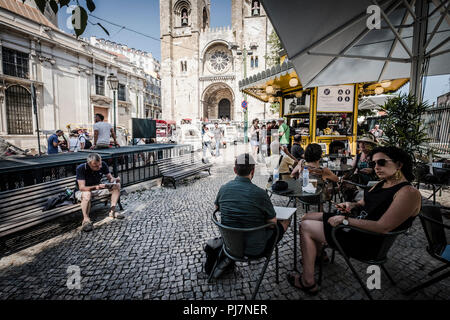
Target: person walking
53	142
254	131
206	142
218	134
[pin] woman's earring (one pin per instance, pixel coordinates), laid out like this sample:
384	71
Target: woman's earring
398	175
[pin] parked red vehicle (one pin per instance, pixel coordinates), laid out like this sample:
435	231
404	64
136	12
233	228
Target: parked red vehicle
165	130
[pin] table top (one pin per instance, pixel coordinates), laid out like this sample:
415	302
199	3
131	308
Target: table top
294	189
340	168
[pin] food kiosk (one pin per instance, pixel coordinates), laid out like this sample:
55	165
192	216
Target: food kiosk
326	115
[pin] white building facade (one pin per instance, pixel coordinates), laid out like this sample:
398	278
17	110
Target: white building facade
70	76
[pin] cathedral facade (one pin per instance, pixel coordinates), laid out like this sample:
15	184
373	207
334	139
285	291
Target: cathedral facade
201	66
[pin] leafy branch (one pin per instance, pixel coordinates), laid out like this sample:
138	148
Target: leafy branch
79	13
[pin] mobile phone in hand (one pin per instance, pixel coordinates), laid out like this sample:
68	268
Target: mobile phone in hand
110	185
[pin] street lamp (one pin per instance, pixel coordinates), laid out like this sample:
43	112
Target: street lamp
113	84
244	52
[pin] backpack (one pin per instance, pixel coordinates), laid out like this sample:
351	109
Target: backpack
212	250
87	144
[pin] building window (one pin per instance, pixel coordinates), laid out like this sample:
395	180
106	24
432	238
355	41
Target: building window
256	62
183	66
121	94
15	63
99	85
19	113
252	62
256	9
205	19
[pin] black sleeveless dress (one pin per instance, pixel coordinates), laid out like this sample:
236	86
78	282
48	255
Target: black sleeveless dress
377	202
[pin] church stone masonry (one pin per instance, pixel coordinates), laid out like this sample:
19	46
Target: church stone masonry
200	66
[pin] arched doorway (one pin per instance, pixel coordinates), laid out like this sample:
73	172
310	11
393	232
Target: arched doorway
218	100
224	108
19	113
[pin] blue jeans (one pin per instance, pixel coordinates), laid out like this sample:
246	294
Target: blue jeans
206	147
217	148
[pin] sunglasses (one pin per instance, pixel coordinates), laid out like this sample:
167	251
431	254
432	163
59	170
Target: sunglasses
380	162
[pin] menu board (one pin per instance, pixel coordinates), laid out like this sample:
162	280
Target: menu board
335	98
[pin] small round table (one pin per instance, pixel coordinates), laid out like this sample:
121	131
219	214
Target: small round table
294	191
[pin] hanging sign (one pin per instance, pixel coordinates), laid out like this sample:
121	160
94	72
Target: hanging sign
335	98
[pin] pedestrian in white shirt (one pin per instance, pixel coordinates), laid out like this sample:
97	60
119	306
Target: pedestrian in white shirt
102	133
218	134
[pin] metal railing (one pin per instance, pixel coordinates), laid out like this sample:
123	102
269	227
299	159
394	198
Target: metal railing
437	124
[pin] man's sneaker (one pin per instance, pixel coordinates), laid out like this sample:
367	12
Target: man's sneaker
87	226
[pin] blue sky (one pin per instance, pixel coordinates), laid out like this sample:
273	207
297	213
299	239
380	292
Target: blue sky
139	15
143	16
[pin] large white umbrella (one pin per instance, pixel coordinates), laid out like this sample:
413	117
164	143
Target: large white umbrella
333	42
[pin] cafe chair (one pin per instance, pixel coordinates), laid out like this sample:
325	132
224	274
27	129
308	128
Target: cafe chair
441	179
438	247
234	246
378	256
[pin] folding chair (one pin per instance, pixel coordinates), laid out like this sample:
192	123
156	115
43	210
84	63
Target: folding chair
234	246
438	247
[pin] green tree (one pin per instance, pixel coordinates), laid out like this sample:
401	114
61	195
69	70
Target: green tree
79	14
403	125
273	58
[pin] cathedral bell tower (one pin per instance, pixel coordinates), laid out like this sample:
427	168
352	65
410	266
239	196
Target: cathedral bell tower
181	23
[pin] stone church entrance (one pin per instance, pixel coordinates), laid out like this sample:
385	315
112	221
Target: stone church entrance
218	101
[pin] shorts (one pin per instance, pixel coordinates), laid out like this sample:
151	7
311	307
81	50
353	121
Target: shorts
273	238
254	143
101	146
94	194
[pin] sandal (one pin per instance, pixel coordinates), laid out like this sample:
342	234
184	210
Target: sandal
306	289
87	226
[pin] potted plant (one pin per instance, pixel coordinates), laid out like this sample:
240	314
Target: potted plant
403	127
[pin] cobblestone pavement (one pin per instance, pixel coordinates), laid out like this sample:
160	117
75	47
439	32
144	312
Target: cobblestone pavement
157	253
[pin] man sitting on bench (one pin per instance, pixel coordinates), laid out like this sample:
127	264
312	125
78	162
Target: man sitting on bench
89	176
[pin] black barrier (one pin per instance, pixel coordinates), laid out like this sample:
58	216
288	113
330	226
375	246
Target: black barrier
143	128
133	164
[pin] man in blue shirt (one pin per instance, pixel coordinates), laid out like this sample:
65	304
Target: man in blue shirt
244	205
89	176
53	142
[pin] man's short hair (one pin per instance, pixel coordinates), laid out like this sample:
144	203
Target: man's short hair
297	138
58	131
244	164
216	123
102	117
93	157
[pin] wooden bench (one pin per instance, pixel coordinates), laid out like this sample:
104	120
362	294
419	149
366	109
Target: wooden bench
181	167
21	208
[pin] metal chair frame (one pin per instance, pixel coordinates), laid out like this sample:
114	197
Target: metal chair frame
240	257
374	261
424	219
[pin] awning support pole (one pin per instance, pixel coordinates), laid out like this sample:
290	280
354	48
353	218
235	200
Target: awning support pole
419	39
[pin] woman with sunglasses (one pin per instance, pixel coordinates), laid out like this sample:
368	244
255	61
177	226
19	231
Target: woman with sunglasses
391	205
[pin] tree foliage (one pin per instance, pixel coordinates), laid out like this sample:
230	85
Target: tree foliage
79	13
403	125
273	58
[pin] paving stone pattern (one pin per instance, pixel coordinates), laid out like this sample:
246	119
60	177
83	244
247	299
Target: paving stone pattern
157	253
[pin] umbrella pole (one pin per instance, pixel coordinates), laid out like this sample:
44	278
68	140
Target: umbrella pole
418	49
